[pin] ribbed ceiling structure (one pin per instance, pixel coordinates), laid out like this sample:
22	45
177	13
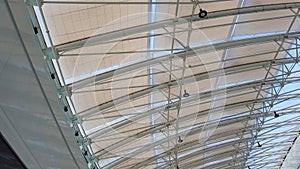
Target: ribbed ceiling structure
176	84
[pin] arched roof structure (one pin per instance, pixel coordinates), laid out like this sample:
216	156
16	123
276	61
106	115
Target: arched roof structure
151	84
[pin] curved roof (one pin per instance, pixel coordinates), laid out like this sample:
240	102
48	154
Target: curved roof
151	84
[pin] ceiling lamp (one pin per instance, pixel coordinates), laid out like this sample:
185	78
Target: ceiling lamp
258	144
202	13
275	114
186	94
180	140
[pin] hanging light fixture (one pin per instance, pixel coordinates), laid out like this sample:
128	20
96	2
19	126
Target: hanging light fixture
186	94
180	140
275	114
202	13
258	144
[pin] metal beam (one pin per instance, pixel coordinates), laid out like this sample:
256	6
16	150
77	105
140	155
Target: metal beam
198	77
127	3
189	52
152	26
200	114
146	147
203	150
122	123
186	157
189	145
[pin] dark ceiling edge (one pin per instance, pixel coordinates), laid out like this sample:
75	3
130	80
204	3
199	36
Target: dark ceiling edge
12	151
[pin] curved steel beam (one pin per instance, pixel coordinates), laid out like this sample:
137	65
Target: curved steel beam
201	160
100	76
226	162
189	146
146	147
128	2
106	81
198	77
223	122
196	162
182	146
123	123
186	157
94	40
221	90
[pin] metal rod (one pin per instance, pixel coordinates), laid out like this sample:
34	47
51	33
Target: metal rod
127	3
147	27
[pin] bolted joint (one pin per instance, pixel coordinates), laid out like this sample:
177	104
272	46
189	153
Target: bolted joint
85	141
91	166
72	119
75	120
48	53
64	91
92	162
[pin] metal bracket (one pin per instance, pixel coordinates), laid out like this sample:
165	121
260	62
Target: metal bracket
34	2
64	91
49	54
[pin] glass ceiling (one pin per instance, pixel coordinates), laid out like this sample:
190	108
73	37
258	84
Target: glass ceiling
155	84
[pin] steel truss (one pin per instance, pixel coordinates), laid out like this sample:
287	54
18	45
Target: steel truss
250	145
152	26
